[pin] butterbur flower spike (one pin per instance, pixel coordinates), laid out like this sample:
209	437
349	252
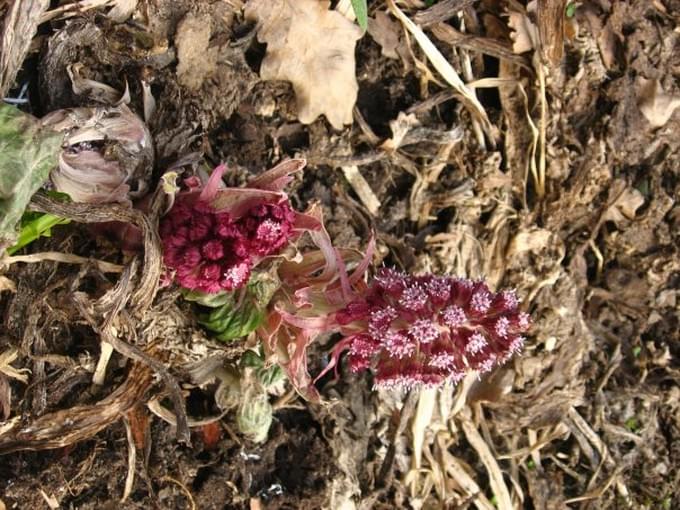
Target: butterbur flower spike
214	236
417	331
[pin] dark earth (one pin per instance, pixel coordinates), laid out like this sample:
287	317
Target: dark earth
587	417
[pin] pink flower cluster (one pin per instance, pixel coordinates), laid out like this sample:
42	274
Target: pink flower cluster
210	251
424	330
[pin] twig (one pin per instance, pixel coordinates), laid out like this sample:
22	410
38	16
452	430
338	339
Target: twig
496	481
137	354
434	100
184	490
542	129
283	401
493	47
362	159
105	353
443	67
404	417
440	12
132	460
370	135
68	258
72	9
66	427
114	302
145	291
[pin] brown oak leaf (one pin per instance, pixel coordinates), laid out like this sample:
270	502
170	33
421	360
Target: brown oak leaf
313	48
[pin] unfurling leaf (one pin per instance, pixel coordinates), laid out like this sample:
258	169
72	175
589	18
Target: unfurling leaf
237	314
231	321
28	152
254	415
267	376
313	48
106	149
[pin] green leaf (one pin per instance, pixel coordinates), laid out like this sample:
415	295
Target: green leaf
361	11
251	359
233	320
267	375
243	323
27	154
34	226
571	9
236	314
270	376
209	300
632	424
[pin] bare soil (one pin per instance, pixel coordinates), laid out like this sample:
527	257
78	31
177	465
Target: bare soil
587	417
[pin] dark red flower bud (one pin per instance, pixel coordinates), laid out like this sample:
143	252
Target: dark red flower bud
212	240
204	249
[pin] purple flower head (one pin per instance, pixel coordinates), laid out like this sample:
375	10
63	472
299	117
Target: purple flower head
213	236
197	251
268	227
424	330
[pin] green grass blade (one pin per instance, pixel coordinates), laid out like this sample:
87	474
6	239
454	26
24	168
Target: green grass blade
361	11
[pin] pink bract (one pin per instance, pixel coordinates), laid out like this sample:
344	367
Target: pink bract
313	288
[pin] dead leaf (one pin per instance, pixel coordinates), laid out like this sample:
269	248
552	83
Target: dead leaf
52	502
362	188
524	32
533	240
656	105
400	128
95	90
5	399
122	10
196	62
385	32
627	200
608	41
8	370
211	434
21	23
313	48
7	284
